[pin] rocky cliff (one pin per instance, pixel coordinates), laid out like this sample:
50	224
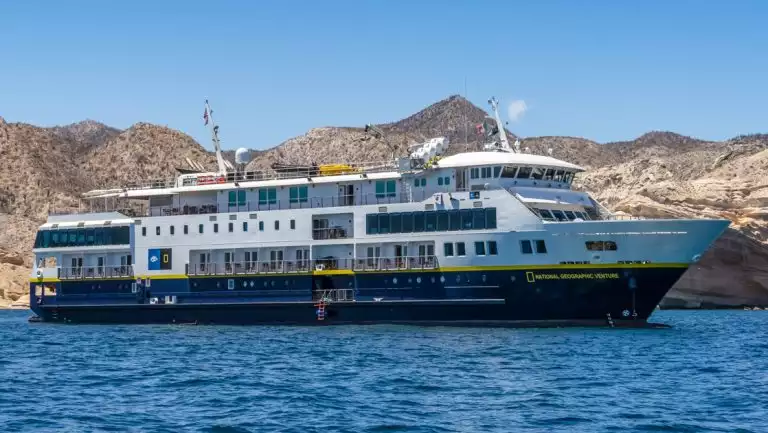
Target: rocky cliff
660	174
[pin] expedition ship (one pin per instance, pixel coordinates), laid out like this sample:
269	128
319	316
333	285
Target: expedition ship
495	237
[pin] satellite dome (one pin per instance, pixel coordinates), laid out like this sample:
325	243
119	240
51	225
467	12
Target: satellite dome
242	156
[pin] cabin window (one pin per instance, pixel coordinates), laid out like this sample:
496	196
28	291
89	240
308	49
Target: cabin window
200	228
420	183
231	227
268	196
372	224
541	247
173	231
386	188
448	249
525	247
293	224
297	194
559	215
143	231
216	227
440	181
460	249
261	226
373	255
601	245
492	248
509	172
524	172
447	180
157	230
383	223
479	248
245	226
474	173
277	225
186	229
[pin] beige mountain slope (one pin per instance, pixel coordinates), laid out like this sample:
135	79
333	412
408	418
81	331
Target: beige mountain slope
658	174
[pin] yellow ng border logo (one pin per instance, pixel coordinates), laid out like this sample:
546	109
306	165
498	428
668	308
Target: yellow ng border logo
530	277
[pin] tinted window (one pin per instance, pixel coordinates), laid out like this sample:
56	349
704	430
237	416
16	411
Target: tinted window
525	247
478	219
559	215
383	223
492	249
293	224
448	249
396	222
372	224
245	226
418	222
454	220
407	222
541	247
480	248
186	229
509	172
524	172
430	221
460	250
442	221
200	228
466	219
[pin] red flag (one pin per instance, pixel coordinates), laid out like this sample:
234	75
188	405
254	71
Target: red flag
205	115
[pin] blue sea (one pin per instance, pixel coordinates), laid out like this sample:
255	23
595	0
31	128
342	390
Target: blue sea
708	372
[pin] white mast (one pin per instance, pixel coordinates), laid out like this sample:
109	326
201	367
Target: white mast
215	137
502	135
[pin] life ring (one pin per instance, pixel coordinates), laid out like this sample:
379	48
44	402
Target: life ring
39	273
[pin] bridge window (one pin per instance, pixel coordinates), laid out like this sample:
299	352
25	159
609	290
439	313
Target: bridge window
443	220
418	222
268	196
570	215
431	221
559	215
541	247
559	176
509	172
297	194
496	171
524	172
549	174
568	177
537	173
485	172
474	173
525	247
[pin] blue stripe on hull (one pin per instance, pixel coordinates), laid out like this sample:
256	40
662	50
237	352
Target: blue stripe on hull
429	297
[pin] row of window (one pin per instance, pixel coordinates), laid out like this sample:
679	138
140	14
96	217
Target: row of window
83	237
601	246
481	249
560	215
231	228
386	188
430	221
266	196
521	173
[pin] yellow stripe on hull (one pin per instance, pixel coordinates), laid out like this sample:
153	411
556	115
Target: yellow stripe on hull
392	271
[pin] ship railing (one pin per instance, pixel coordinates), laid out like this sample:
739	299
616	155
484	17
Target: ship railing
333	295
369	264
288	172
331	233
95	272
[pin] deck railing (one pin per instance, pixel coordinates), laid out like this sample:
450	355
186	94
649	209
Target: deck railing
369	264
95	272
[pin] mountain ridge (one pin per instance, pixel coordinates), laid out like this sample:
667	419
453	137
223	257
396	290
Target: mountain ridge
657	174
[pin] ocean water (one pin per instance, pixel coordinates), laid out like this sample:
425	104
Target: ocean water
709	372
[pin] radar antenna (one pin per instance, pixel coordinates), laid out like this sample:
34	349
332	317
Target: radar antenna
208	116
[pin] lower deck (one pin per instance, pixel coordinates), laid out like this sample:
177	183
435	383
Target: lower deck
557	293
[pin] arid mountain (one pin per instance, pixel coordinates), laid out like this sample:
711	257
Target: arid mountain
660	174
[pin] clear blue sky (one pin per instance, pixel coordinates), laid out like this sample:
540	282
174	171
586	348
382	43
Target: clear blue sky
605	70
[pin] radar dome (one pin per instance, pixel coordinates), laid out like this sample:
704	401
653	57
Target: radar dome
242	156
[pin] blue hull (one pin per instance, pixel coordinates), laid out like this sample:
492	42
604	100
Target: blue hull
540	297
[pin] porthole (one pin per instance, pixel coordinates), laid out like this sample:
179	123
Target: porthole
410	280
458	278
442	279
265	284
394	280
273	283
484	278
285	283
218	284
251	283
418	280
245	283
